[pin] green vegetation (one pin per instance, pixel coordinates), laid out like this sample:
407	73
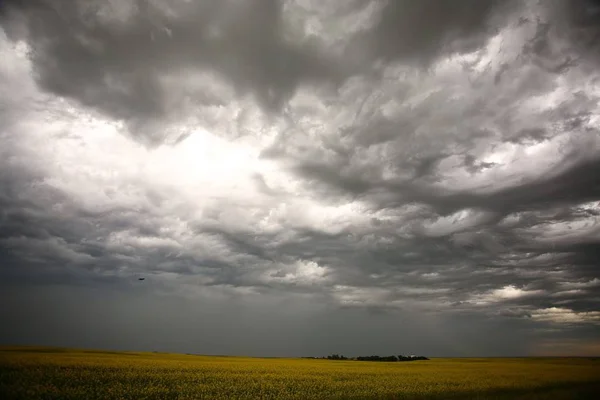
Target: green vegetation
375	358
49	373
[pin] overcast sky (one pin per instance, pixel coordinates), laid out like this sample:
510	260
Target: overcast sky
298	178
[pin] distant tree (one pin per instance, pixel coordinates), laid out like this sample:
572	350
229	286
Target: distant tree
376	358
336	357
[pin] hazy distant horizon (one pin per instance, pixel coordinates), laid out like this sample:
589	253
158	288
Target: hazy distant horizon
320	357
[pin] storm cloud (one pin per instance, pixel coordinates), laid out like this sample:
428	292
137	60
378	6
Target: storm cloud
423	174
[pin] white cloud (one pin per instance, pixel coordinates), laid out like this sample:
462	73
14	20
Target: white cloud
565	316
506	293
300	272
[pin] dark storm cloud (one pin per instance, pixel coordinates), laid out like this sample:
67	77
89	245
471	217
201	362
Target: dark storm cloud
421	31
442	171
415	144
115	56
119	57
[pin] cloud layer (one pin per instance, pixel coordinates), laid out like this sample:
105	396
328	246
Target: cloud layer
436	159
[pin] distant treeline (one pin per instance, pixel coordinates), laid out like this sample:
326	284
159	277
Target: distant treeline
373	358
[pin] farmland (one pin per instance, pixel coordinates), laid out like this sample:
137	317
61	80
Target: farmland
55	373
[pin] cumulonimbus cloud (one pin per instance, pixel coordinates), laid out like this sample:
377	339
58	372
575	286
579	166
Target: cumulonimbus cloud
438	155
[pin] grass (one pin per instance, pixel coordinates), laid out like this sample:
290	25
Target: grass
55	373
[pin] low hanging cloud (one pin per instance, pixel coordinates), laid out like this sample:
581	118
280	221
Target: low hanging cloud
431	157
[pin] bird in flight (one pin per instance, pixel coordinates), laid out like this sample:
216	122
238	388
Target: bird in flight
141	279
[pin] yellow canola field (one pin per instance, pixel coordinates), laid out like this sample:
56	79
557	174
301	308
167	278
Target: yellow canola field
51	373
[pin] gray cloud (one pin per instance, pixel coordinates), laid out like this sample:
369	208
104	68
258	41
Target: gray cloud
83	51
422	31
361	163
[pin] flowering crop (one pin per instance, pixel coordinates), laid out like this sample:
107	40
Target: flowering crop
47	373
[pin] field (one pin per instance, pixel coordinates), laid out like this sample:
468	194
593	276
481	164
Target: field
53	373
